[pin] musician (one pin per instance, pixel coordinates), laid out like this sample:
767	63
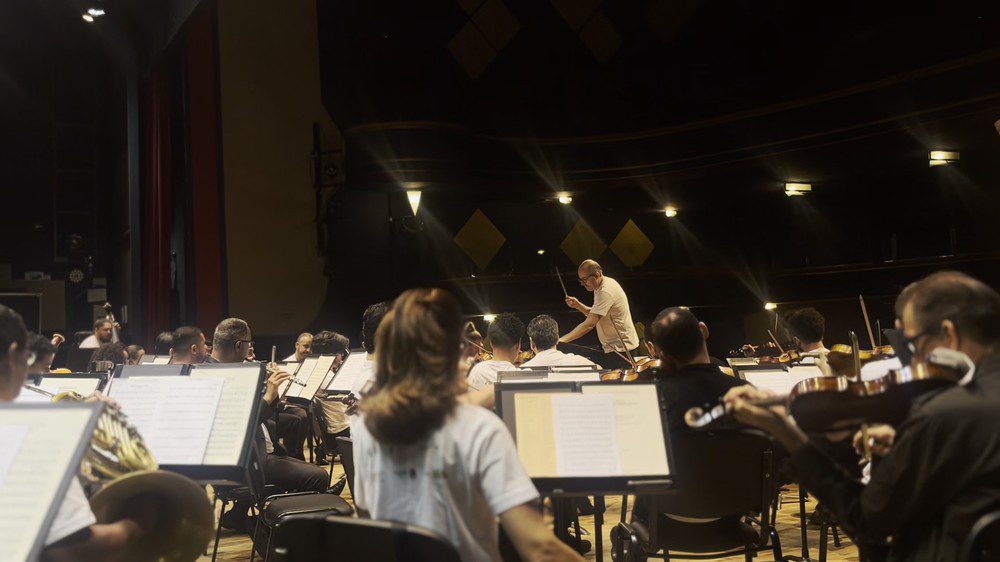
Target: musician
102	335
74	533
188	343
112	352
303	344
334	410
164	343
806	326
232	343
941	473
610	315
543	334
505	337
135	353
44	352
423	459
370	321
688	375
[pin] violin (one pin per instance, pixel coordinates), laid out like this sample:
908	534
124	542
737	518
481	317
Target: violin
840	358
523	356
640	372
827	404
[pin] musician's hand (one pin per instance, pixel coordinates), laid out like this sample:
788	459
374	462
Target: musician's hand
98	396
773	419
879	436
273	382
352	403
572	302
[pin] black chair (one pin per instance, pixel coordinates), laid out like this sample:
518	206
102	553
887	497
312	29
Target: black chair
346	447
255	492
983	542
724	479
78	359
309	538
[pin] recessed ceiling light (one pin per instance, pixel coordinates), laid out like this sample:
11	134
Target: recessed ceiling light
942	157
565	199
96	12
797	189
541	251
413	196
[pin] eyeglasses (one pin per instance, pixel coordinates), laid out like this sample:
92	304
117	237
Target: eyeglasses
583	280
250	342
911	343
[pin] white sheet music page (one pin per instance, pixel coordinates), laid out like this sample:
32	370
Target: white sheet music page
353	366
639	427
174	415
161	360
307	366
239	393
585	435
37	448
317	375
82	386
781	382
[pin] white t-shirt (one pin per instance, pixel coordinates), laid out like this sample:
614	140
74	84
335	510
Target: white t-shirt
74	514
455	482
555	358
290	359
484	373
611	303
90	342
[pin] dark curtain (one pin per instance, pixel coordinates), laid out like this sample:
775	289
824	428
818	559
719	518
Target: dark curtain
156	201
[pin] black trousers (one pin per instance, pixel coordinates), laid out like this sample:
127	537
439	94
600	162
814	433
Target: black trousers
293	475
293	428
614	361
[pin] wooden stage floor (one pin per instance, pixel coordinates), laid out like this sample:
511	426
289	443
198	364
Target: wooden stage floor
234	546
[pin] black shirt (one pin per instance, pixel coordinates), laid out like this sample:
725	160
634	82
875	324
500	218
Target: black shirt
942	473
690	386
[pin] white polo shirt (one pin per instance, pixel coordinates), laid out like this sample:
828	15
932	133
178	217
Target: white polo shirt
484	373
611	303
555	358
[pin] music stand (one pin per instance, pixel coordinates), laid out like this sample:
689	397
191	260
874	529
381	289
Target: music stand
148	359
77	359
40	450
344	378
646	471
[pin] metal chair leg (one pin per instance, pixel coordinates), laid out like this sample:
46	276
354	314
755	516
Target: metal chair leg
824	526
802	523
218	531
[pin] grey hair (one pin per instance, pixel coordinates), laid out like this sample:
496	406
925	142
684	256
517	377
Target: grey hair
229	331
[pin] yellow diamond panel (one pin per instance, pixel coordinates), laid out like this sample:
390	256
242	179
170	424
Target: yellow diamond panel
582	243
631	245
480	239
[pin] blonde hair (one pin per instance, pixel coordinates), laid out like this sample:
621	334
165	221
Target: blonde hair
418	345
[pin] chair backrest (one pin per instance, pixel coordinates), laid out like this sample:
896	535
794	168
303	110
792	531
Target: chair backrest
983	542
78	359
311	537
719	474
345	445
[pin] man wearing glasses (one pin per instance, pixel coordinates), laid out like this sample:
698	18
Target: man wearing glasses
610	315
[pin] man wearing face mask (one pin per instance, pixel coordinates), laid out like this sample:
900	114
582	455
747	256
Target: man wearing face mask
940	475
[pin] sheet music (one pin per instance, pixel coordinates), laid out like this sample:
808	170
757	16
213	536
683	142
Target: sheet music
344	380
536	443
31	397
161	360
232	418
781	382
174	415
82	386
586	437
307	365
37	446
638	427
313	377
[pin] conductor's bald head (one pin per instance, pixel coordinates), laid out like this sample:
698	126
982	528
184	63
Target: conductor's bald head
679	336
589	274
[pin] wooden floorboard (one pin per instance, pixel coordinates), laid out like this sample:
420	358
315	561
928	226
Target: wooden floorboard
234	546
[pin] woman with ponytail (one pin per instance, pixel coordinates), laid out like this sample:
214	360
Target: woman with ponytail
423	458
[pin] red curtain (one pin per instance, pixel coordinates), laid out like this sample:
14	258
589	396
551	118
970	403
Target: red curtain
156	202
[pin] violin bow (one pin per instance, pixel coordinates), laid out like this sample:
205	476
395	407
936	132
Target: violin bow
868	323
775	340
856	355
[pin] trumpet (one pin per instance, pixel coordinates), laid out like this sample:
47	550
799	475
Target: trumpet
120	462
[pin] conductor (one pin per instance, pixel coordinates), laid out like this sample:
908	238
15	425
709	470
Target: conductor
610	315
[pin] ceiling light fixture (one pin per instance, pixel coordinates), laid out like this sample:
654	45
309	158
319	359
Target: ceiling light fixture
541	251
96	12
564	198
797	189
942	157
670	212
770	306
88	18
413	196
489	318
